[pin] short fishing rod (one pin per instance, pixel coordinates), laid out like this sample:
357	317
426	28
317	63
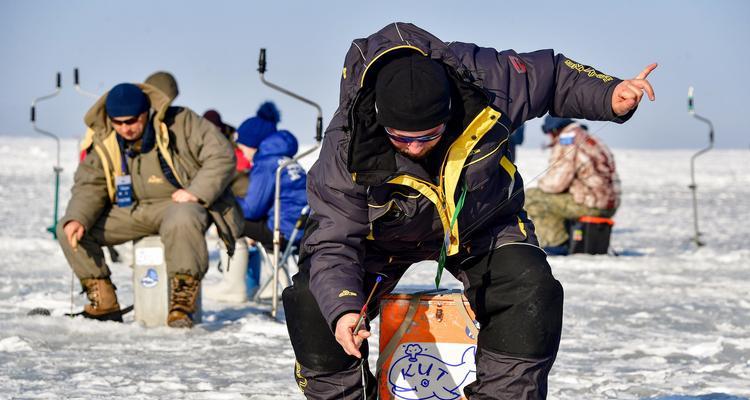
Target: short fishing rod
363	311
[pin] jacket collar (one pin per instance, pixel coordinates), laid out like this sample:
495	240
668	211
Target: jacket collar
365	53
371	158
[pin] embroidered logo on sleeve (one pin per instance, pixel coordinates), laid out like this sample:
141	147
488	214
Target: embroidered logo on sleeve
345	293
518	64
592	73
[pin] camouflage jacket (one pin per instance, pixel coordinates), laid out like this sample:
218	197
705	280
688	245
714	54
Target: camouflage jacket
582	165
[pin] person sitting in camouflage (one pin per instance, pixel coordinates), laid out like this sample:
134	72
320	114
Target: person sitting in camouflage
152	169
581	180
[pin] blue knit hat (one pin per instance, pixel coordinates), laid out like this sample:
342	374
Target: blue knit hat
126	100
255	129
551	123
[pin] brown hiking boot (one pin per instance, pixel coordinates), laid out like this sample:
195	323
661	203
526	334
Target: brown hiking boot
103	304
182	298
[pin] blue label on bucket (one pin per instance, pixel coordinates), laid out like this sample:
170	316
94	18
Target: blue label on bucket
151	279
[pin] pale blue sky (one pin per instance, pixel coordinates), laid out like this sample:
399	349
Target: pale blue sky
212	49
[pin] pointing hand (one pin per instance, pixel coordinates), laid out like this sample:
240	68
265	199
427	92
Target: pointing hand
628	93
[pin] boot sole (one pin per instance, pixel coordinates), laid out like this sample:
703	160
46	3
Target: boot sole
181	323
115	316
108	317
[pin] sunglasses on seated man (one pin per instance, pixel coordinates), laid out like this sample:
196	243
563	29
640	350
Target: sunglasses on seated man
410	139
129	121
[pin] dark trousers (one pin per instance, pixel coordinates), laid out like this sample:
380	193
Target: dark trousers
514	296
258	230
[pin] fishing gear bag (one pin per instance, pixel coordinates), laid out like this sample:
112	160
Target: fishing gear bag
590	235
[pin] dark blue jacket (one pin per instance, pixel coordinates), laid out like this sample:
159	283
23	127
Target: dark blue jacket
258	202
374	210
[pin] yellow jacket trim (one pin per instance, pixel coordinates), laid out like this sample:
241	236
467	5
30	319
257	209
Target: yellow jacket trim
508	166
87	141
488	154
522	227
386	51
443	196
458	152
109	152
430	191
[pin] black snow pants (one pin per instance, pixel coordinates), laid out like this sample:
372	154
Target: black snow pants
514	296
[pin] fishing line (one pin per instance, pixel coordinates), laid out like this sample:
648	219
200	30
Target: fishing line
471	228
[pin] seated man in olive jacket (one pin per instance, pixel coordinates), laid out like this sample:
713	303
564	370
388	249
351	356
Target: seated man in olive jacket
152	170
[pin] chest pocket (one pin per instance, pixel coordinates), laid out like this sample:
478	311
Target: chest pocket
393	207
484	165
392	213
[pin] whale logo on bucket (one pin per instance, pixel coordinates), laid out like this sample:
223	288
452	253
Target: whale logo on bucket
151	279
419	375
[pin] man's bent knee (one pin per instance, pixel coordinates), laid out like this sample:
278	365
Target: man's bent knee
339	385
521	306
184	216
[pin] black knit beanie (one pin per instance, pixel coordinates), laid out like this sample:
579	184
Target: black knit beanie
412	93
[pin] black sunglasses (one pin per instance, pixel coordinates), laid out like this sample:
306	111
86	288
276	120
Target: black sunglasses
129	121
407	139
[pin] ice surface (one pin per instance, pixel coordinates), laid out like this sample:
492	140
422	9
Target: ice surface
664	320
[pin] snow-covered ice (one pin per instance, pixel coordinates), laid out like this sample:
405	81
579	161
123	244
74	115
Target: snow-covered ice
663	320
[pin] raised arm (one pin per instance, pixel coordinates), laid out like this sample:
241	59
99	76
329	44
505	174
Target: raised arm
529	85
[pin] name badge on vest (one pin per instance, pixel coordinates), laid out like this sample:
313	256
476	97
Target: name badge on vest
124	192
568	138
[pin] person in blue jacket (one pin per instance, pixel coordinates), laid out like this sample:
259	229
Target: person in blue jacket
258	204
264	147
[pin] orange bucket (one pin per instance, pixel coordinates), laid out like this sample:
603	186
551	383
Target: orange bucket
428	344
